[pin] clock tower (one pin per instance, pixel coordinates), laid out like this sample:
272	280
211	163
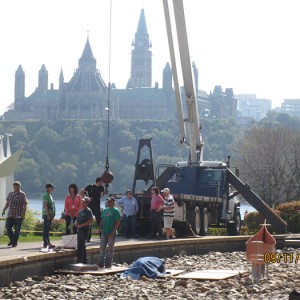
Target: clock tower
141	56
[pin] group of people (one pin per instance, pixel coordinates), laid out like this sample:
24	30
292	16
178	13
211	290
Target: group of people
81	207
161	206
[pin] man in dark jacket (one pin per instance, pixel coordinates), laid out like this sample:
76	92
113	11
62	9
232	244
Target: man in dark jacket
95	192
83	223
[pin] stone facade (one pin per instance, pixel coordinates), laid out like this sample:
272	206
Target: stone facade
86	95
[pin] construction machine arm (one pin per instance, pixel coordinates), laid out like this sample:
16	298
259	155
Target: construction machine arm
195	139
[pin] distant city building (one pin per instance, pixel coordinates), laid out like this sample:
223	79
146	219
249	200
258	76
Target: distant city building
291	107
85	96
222	105
203	104
252	107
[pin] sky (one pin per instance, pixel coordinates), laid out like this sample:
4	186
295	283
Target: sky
251	46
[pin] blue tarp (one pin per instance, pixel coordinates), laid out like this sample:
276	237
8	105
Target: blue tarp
146	266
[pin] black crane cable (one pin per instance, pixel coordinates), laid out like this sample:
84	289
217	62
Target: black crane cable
108	98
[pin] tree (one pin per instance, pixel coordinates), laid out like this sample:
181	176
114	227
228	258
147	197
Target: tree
269	160
47	140
67	173
29	175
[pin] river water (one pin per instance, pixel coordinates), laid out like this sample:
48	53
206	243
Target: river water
36	206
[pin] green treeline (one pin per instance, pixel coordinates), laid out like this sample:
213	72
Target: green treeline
69	151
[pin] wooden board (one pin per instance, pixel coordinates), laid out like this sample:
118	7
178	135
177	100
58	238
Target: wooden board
111	270
83	267
171	272
210	274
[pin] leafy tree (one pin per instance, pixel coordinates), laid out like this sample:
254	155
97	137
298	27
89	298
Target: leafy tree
28	173
269	159
66	174
68	151
47	140
20	135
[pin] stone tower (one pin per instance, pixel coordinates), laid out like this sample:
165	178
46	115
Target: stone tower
61	80
141	56
43	79
19	85
167	79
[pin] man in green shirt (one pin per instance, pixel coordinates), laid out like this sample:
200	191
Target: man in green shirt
48	214
108	227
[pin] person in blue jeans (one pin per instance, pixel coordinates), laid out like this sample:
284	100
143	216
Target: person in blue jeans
130	208
83	223
109	225
48	213
16	203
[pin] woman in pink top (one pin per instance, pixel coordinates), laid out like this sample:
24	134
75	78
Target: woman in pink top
157	203
72	207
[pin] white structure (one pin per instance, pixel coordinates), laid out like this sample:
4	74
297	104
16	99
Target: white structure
250	106
8	165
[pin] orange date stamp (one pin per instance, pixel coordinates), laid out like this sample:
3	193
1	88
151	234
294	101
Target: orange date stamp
281	257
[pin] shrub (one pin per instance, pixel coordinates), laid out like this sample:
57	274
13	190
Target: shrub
244	230
217	231
290	213
253	221
58	225
30	220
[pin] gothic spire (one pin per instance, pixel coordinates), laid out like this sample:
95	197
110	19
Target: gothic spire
142	27
87	62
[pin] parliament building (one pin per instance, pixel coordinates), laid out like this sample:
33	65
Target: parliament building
85	95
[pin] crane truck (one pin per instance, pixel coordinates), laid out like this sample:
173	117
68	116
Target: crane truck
206	193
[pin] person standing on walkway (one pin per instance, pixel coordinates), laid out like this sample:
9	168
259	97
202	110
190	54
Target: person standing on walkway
48	213
129	207
16	203
72	208
157	203
110	222
95	192
83	223
169	213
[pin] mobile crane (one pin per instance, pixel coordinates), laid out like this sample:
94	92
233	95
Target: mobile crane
205	192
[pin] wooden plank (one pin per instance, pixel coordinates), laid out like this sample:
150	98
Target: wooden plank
83	267
210	274
171	272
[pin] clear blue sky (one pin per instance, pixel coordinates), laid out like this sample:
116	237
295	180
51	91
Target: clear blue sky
251	46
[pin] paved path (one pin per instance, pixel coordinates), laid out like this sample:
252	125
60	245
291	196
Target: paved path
24	249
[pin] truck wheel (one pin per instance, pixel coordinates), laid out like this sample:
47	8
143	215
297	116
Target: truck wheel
204	222
196	221
234	228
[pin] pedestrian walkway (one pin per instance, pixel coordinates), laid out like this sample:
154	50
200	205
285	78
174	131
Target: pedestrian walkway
31	248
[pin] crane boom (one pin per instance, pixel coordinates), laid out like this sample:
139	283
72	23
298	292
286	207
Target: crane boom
195	139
